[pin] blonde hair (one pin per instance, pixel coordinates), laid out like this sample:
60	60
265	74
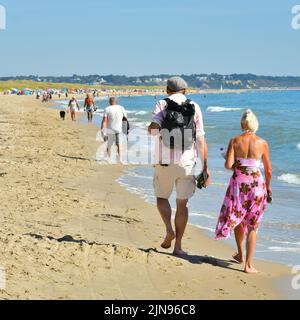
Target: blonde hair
249	121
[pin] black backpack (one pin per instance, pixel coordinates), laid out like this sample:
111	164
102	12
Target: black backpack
178	129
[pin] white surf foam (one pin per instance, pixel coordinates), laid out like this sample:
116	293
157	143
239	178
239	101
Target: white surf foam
100	98
205	228
286	242
62	102
290	178
203	215
298	146
136	175
137	112
284	249
141	113
140	124
222	109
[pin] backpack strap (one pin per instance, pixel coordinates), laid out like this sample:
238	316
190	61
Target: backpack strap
171	102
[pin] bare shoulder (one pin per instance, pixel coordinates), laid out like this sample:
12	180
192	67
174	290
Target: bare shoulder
263	145
236	139
261	140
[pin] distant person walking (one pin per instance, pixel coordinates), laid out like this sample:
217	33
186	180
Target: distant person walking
248	192
178	124
45	97
114	118
73	105
89	107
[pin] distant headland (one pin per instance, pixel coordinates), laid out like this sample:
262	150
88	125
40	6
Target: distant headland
199	81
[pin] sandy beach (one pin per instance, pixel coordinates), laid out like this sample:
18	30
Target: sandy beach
70	231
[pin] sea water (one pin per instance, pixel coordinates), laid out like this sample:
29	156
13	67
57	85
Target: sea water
279	116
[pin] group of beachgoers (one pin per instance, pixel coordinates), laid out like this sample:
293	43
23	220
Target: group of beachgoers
248	192
89	107
114	124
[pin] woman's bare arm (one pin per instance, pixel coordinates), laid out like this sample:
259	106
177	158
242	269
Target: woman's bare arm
230	158
267	166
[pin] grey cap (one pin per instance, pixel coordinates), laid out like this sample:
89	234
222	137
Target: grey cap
176	84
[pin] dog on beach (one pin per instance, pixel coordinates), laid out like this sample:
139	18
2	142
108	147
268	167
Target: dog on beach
62	115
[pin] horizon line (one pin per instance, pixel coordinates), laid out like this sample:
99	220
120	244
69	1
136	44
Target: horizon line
150	75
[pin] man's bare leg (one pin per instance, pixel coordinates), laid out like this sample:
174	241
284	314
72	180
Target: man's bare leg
109	151
119	151
165	211
181	220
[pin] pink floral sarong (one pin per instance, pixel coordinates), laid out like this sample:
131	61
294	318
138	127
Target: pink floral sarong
245	199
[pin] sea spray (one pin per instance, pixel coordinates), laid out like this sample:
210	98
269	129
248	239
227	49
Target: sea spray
222	109
290	178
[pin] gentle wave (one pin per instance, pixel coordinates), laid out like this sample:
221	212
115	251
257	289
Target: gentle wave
290	178
222	109
204	228
98	110
136	175
137	112
62	102
142	125
202	215
286	242
281	225
284	249
298	146
141	113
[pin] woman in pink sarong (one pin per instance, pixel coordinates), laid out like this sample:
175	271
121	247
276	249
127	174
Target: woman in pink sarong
246	196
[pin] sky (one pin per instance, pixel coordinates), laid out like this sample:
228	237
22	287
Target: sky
145	37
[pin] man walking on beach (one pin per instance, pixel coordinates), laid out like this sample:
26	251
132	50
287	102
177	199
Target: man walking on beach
114	118
89	107
178	126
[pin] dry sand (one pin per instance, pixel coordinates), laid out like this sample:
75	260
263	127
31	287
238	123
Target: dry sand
69	231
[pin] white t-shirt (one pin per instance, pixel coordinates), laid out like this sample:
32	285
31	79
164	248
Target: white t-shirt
115	116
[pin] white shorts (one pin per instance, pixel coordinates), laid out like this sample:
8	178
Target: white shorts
165	177
113	138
